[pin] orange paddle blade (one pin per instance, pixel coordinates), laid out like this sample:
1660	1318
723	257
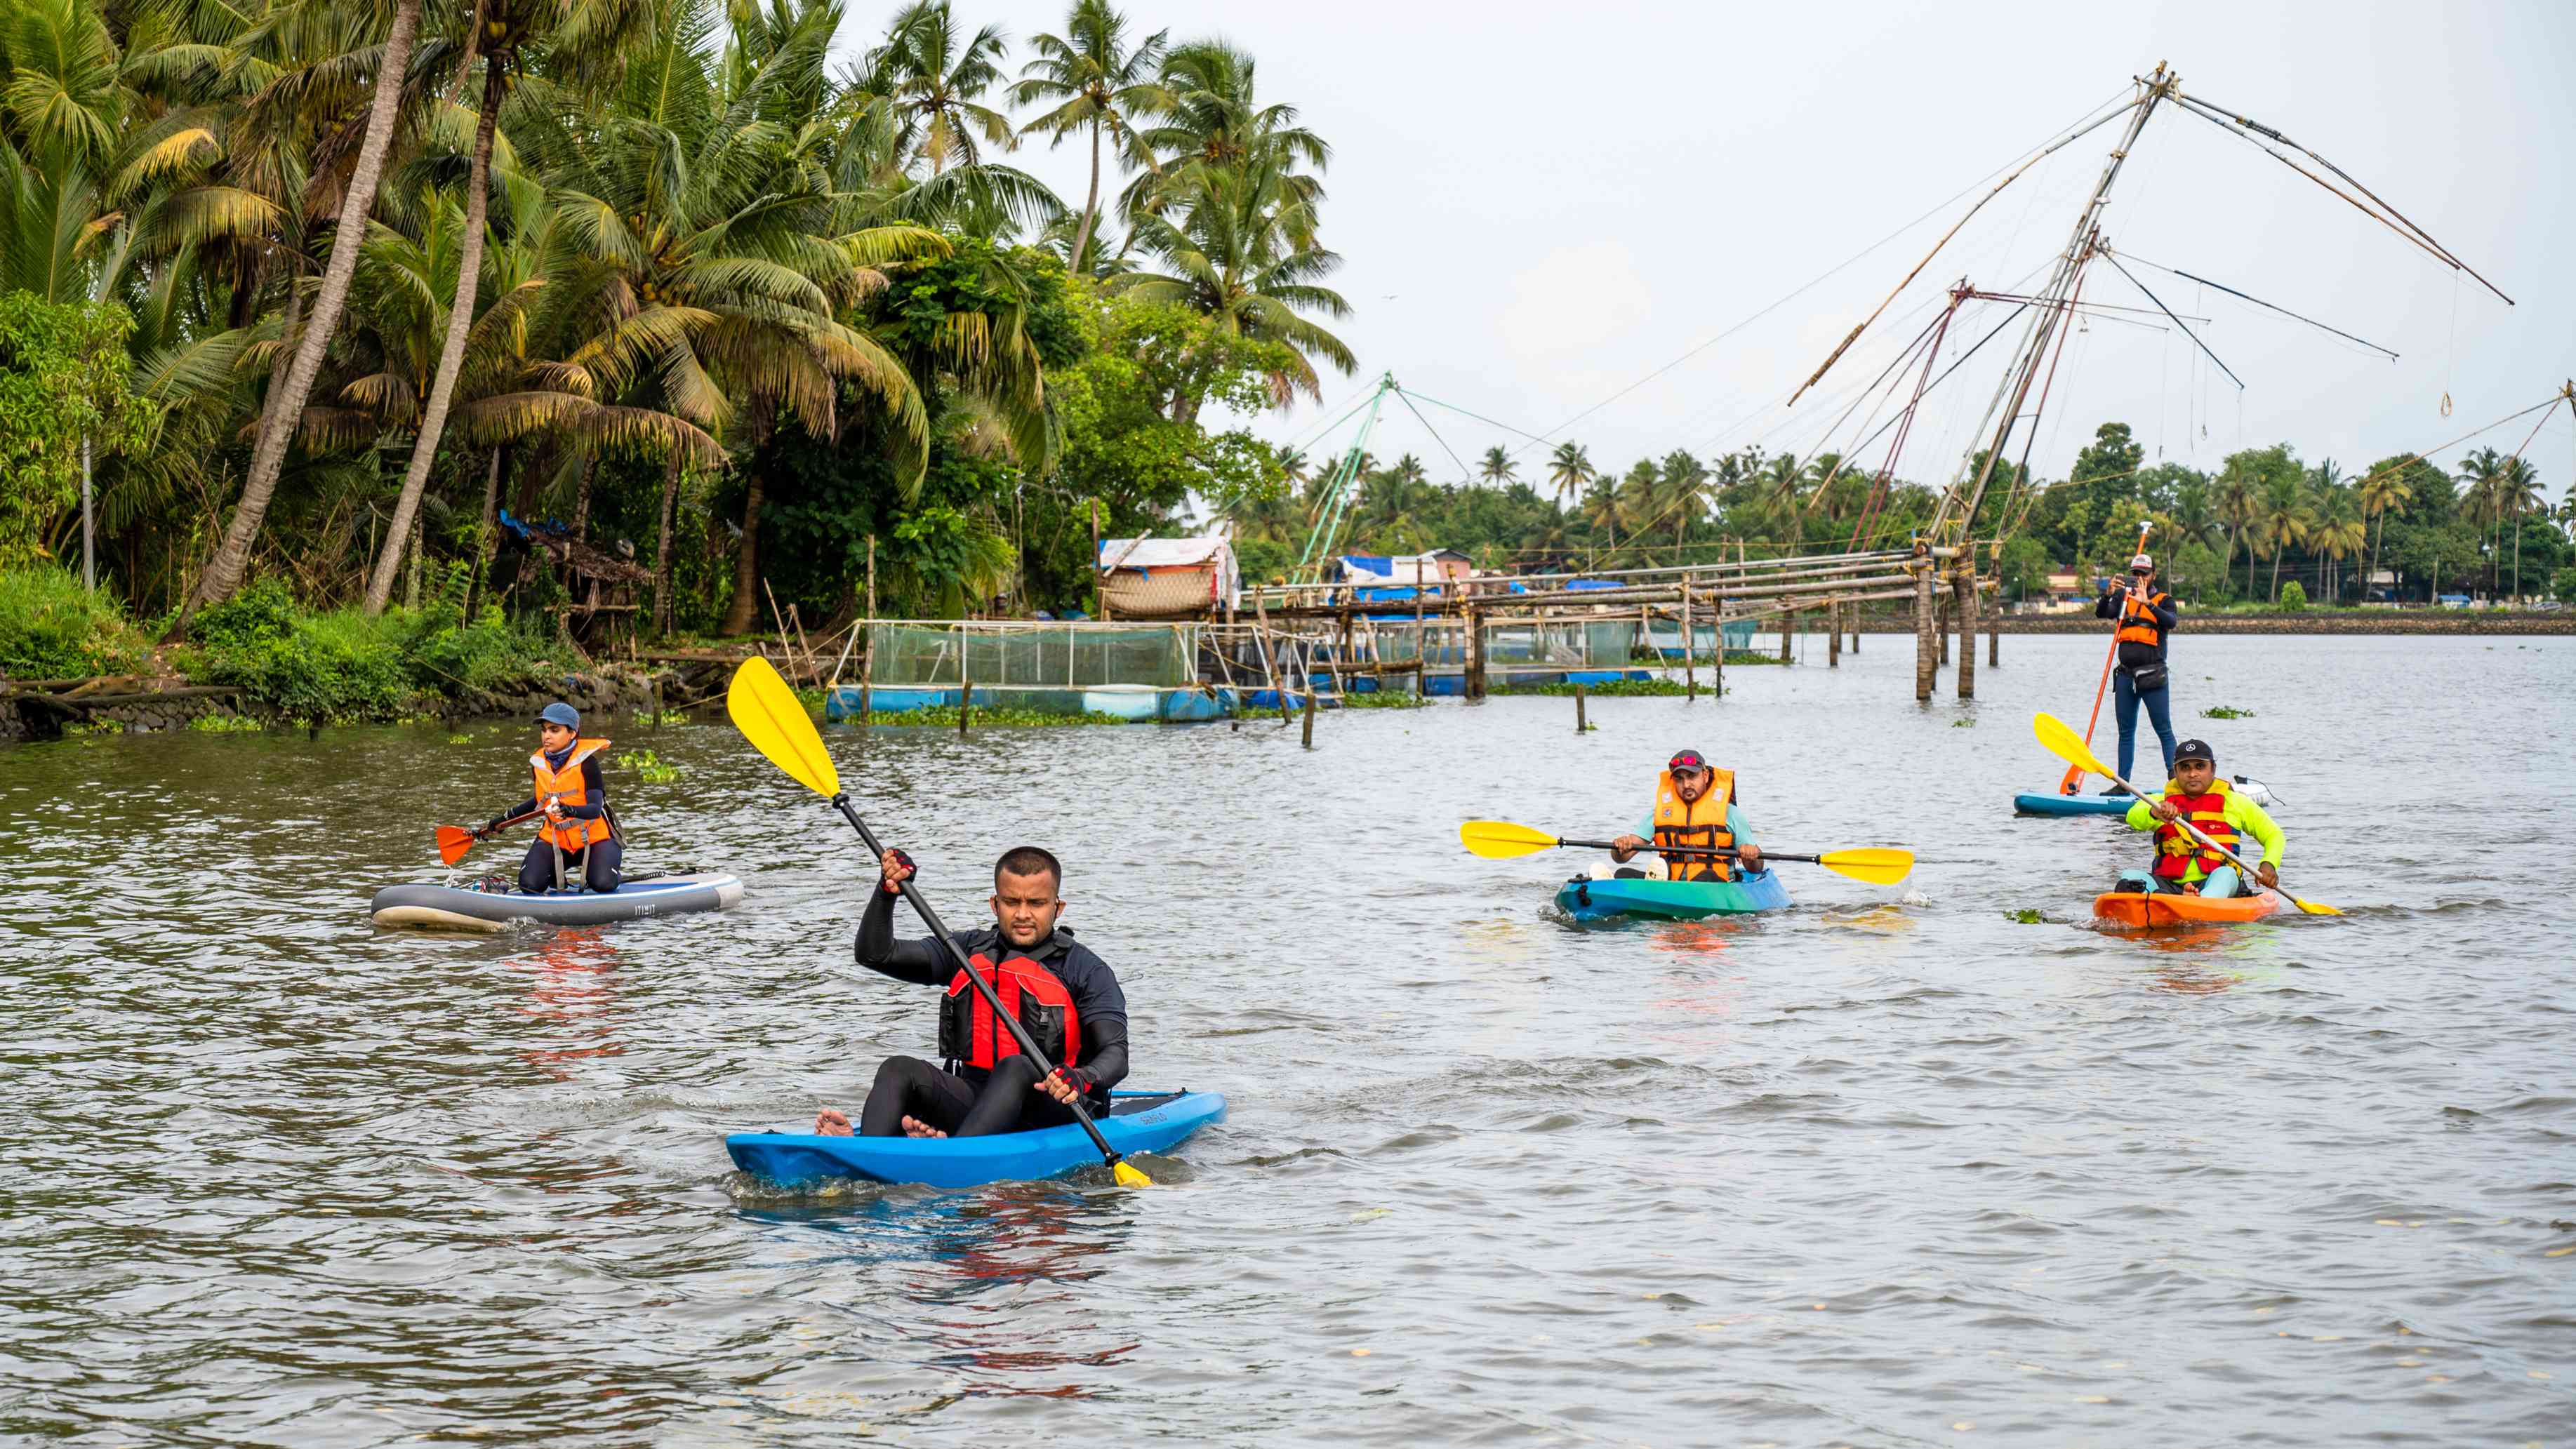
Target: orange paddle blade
453	842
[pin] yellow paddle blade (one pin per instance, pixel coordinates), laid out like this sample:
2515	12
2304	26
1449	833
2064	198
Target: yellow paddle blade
2315	908
1130	1175
2065	744
1502	840
1872	864
771	716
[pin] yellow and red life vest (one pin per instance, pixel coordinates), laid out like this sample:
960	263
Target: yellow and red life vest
2138	620
2177	851
565	785
970	1035
1699	824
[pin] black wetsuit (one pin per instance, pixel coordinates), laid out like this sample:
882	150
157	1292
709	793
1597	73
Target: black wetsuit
971	1101
598	866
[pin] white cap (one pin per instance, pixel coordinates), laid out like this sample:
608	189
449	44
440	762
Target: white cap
2142	562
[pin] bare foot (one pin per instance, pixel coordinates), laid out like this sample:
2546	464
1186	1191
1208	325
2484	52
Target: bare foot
915	1127
831	1123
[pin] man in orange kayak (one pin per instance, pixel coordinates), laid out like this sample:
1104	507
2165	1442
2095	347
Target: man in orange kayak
2184	865
1067	998
1694	808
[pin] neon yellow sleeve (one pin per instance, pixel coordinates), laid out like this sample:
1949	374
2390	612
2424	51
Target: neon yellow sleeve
2142	816
2249	819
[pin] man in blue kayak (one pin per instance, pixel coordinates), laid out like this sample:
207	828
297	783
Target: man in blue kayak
1695	811
1066	997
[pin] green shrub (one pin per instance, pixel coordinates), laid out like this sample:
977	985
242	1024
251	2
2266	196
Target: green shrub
2226	711
2563	584
2293	596
344	665
52	628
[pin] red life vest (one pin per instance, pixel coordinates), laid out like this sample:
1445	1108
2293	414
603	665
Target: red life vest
1699	824
2178	852
2138	621
565	785
969	1035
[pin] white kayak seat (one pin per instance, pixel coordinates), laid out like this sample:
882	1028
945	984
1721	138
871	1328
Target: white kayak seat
1642	866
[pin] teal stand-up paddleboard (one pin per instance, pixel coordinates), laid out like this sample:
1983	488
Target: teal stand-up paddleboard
1135	1122
1586	899
2071	804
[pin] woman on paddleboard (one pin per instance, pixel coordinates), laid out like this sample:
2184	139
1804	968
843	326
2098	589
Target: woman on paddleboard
2146	615
578	841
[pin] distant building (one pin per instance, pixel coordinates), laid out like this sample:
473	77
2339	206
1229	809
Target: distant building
1167	578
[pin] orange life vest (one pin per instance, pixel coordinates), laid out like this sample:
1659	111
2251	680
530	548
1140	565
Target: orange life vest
969	1034
2138	621
1699	824
565	785
2178	851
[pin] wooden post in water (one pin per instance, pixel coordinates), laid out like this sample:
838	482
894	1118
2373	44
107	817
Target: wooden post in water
1717	656
1473	684
1925	666
1310	704
1578	709
1788	622
868	659
1995	631
1964	584
965	699
1941	623
1855	626
1834	634
1690	648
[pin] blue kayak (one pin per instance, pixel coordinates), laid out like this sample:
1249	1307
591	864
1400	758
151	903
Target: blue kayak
2072	804
1137	1122
1586	899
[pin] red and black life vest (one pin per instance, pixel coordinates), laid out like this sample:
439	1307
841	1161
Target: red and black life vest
1699	824
970	1036
2177	851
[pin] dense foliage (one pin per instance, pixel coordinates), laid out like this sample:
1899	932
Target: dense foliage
658	274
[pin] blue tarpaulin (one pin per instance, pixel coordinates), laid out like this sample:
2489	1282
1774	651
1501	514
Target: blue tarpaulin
1595	584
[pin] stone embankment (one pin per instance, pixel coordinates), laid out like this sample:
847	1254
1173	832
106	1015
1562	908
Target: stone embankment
2314	621
41	709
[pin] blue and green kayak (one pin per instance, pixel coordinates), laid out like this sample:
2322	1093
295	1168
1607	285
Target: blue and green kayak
1586	899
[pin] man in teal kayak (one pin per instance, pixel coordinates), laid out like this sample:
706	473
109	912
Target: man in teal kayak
1695	811
2184	865
1066	997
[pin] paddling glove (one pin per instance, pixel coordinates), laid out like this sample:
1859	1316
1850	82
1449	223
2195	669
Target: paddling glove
906	862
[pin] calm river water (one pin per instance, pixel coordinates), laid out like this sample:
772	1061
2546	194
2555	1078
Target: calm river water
1889	1169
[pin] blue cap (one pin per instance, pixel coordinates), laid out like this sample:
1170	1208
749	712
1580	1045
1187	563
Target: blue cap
562	714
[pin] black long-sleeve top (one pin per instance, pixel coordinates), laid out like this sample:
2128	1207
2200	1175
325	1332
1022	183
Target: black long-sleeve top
1098	1001
2168	618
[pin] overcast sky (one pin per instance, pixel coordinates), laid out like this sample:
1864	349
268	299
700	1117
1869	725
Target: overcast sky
1541	205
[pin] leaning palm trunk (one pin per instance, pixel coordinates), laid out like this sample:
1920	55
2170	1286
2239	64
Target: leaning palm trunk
746	562
268	457
1091	206
663	603
451	356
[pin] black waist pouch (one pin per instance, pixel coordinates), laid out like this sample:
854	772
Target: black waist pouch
2146	678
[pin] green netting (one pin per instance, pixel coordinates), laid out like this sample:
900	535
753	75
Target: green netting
1066	657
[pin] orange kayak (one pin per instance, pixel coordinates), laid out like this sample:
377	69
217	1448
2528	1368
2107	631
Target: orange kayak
2140	911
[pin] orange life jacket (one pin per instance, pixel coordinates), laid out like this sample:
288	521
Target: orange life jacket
2138	621
1699	824
2178	851
565	785
969	1034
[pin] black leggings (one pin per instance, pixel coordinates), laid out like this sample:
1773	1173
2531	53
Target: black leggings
1008	1101
600	866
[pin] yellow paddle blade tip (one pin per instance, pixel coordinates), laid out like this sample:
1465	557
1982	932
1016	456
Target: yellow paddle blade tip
1129	1175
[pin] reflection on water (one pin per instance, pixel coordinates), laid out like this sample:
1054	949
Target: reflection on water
1857	1172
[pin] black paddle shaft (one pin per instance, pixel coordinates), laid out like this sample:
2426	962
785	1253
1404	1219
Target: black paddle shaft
1687	850
1028	1044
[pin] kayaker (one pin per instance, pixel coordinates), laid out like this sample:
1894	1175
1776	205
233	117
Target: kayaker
1066	996
1695	807
2146	615
2222	813
574	799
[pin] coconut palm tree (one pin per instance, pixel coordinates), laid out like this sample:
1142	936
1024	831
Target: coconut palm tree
1214	120
2235	494
1496	467
1570	470
2339	533
2283	515
2484	473
1099	84
2519	495
232	557
2381	494
1684	484
1234	258
934	80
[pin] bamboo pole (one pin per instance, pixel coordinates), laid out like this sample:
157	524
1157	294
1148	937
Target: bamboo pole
1964	584
868	660
1690	648
1924	658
